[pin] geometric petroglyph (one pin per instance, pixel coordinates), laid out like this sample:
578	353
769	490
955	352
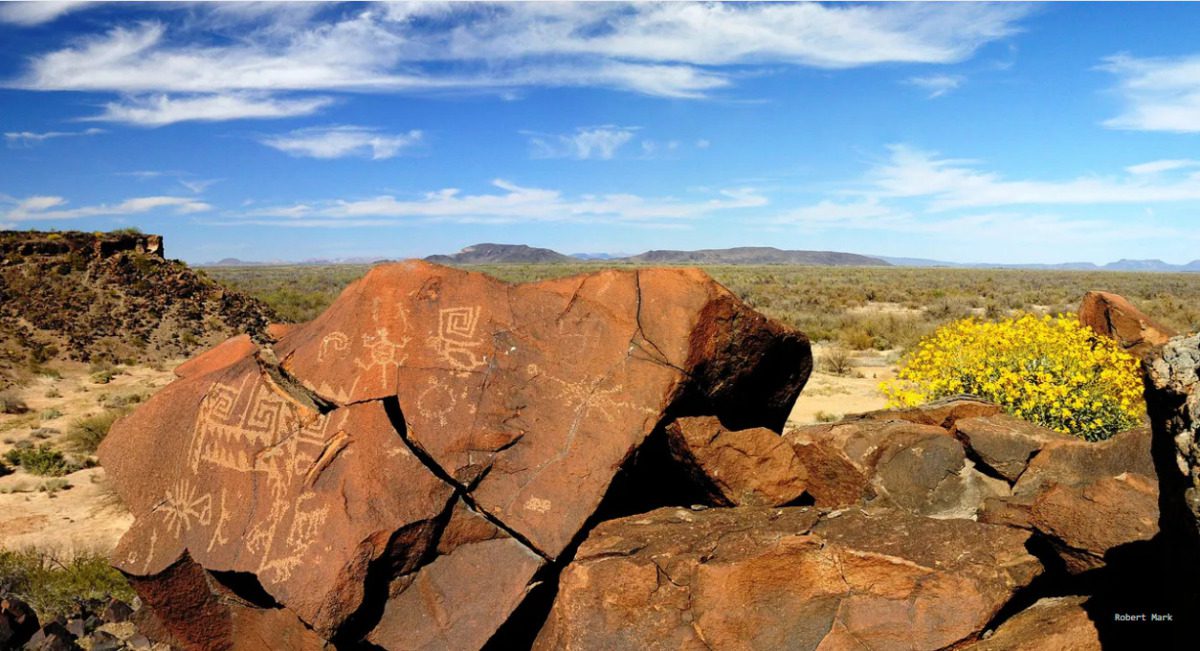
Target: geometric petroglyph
436	402
183	505
336	341
456	337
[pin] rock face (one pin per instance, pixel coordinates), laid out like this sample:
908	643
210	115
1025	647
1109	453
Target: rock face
1004	443
752	467
1173	400
1111	315
398	469
920	468
18	623
1051	624
943	412
784	579
1086	498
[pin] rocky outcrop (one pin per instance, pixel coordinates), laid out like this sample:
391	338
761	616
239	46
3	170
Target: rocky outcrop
752	467
1112	316
785	579
1004	443
1087	499
400	469
919	468
1051	624
109	297
1173	401
943	412
18	623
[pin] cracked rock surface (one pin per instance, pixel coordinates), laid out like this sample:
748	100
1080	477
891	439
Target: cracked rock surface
785	578
399	469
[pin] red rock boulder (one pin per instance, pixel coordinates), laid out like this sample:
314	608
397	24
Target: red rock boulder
761	578
752	467
400	467
1112	316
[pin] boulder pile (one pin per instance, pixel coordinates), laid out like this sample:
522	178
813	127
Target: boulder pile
445	461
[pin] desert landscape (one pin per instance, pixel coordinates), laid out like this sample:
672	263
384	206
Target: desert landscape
599	326
924	469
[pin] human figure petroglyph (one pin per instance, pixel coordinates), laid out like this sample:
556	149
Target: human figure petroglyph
455	338
382	353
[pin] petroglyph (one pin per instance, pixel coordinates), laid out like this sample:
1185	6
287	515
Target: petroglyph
218	534
183	505
336	341
537	504
436	402
455	338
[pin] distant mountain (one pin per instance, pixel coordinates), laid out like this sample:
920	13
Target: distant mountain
757	255
599	256
1119	265
500	253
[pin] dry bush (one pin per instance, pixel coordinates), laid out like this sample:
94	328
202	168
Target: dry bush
837	361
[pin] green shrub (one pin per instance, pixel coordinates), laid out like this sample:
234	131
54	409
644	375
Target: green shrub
52	585
102	377
42	460
84	435
50	414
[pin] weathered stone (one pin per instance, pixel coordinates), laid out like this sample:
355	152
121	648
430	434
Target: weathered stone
1086	498
1173	401
1050	624
18	622
1075	462
326	466
186	606
1112	316
52	637
760	578
1004	443
751	467
919	468
943	412
479	577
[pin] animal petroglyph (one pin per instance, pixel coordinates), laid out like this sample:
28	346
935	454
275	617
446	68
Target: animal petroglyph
455	339
335	341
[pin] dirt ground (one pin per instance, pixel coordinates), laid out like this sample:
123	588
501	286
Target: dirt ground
828	397
83	515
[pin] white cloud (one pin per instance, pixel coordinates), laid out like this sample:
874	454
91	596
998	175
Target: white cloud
197	186
703	144
160	110
513	203
655	148
950	184
1160	94
587	142
343	141
1159	166
662	49
42	208
29	138
36	13
937	85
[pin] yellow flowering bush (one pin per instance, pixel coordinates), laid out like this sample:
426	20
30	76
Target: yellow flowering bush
1053	371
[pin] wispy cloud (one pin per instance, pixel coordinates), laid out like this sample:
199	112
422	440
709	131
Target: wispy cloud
1159	94
161	110
684	50
937	85
36	13
1160	166
343	141
587	142
29	138
42	208
513	203
955	183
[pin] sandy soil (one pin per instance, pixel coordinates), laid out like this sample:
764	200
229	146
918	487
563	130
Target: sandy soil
84	515
829	397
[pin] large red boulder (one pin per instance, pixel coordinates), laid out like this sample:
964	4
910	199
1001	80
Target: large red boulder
1113	316
431	427
769	578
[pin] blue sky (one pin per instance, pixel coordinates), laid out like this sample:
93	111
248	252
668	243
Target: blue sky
963	132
